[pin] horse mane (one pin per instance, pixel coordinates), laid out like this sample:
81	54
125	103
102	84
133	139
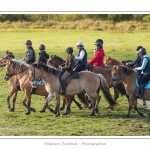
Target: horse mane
45	67
60	59
18	63
127	70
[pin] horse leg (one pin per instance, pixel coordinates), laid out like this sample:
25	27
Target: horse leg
79	105
144	102
69	101
135	107
98	97
82	97
131	99
28	96
49	98
11	92
57	96
14	100
63	105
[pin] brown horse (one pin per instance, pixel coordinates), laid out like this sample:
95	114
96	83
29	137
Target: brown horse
111	62
128	77
57	61
88	81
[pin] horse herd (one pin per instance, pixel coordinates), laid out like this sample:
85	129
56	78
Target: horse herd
21	76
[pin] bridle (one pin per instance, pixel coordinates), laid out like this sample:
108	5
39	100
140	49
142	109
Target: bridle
118	77
10	75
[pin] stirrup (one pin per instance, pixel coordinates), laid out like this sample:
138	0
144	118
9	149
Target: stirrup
138	96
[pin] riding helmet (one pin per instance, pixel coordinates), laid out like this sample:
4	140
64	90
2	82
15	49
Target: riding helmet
42	47
99	44
28	42
79	44
138	48
99	40
143	51
69	50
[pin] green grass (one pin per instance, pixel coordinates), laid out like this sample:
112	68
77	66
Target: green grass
109	123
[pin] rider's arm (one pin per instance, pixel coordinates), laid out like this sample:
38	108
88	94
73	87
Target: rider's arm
80	57
145	61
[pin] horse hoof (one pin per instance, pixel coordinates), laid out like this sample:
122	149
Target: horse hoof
141	115
27	113
57	115
42	111
61	108
97	111
144	104
11	110
110	107
127	116
32	109
92	114
64	113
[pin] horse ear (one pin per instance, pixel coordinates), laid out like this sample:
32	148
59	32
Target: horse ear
7	52
54	56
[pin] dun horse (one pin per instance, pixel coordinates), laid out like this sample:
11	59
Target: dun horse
128	77
88	81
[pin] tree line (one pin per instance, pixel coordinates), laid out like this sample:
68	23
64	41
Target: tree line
73	17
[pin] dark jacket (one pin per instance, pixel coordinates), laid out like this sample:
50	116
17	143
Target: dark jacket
69	64
30	56
137	62
43	56
84	60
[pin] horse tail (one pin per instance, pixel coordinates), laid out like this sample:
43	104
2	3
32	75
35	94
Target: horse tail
121	89
106	91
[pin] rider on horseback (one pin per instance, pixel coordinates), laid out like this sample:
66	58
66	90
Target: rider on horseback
137	62
67	68
43	56
145	68
30	54
81	58
98	59
98	40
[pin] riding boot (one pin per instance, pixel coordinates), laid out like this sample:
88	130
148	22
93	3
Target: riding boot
141	92
63	86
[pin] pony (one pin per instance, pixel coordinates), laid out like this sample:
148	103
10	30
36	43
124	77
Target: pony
88	81
111	62
128	77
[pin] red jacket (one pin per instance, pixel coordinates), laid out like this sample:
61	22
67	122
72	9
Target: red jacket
98	59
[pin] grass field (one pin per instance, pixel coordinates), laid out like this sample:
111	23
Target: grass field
109	123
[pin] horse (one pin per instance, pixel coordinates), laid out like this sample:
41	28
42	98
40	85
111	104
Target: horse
56	61
87	81
111	62
128	77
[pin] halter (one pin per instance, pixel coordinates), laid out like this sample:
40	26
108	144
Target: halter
118	77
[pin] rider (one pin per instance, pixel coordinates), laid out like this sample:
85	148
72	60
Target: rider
98	40
145	68
67	68
43	56
81	58
30	54
98	59
137	62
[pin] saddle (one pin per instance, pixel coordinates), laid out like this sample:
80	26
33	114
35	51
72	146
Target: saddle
73	75
147	85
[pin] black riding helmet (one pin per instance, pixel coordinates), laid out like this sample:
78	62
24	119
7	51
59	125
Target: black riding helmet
99	40
28	42
69	50
138	48
42	47
143	51
99	44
